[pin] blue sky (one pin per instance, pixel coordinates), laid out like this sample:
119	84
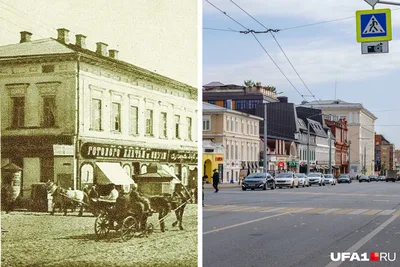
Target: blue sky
320	53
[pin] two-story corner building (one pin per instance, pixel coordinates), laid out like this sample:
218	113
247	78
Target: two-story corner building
66	109
283	134
238	134
361	129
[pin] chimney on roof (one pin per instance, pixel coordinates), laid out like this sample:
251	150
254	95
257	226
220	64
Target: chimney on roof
113	53
283	99
63	35
101	48
80	40
25	37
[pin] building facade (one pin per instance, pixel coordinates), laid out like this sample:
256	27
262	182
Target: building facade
385	155
339	130
66	108
361	132
238	134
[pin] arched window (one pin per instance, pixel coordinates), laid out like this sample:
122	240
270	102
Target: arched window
87	174
127	170
143	169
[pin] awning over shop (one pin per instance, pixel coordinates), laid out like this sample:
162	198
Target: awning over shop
112	173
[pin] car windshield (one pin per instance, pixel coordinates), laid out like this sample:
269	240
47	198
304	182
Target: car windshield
314	175
300	175
363	177
373	176
255	176
328	176
284	175
344	176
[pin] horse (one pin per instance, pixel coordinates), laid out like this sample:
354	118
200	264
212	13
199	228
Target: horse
66	198
180	198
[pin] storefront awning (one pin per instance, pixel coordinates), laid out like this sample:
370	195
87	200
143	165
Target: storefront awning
112	173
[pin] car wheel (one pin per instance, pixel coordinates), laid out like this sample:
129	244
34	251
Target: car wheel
273	186
360	181
323	184
243	188
369	181
320	184
304	185
292	185
280	187
265	187
297	186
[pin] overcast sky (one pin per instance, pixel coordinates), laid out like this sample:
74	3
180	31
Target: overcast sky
160	36
321	54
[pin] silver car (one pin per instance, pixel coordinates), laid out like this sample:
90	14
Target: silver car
286	180
330	179
303	179
316	178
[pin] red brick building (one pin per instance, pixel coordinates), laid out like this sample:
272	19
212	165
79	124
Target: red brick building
340	131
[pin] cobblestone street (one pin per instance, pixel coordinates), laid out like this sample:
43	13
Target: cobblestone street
39	239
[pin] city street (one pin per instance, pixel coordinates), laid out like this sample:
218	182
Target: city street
300	226
39	239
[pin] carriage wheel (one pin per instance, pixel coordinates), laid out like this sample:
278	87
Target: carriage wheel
102	226
129	228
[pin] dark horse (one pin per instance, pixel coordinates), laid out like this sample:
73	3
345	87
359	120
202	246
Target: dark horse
180	198
64	199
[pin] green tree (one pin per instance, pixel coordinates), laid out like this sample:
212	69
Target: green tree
248	83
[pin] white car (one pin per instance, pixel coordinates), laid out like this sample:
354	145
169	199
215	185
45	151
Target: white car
316	178
303	179
286	180
330	179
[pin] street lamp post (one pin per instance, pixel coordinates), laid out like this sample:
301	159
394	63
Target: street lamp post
308	147
265	138
330	151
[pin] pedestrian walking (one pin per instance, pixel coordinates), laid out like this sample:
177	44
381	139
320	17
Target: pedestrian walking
215	178
205	177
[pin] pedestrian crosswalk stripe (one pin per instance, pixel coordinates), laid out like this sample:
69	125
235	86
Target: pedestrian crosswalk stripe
313	211
386	212
287	210
372	212
258	209
274	210
356	212
328	211
342	211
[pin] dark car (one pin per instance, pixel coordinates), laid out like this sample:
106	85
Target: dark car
344	178
373	178
258	181
364	178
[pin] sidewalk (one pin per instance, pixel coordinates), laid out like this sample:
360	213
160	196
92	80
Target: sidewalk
221	185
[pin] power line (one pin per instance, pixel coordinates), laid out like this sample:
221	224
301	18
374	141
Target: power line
222	30
252	33
280	47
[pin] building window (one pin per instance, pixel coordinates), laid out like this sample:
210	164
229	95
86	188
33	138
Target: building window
163	125
143	169
149	122
237	152
189	125
87	174
228	123
227	151
47	68
242	127
206	124
134	120
18	112
212	102
49	115
116	117
176	121
96	115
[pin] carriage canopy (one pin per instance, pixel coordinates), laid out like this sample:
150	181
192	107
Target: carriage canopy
112	173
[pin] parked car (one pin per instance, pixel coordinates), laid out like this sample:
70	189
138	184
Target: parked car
286	180
382	178
364	178
258	181
316	178
391	176
374	178
303	179
344	178
330	179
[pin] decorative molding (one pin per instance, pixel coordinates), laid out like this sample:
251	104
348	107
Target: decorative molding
48	88
17	89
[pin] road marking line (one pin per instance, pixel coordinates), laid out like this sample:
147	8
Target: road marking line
359	211
342	211
371	212
212	207
328	211
364	240
275	209
241	209
288	210
386	212
258	209
315	210
397	213
227	207
383	200
244	223
302	210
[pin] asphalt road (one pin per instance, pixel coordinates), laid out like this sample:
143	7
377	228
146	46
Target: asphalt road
301	226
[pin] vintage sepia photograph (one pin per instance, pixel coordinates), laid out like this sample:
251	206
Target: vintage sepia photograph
99	133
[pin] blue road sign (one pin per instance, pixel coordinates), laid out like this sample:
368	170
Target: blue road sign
373	25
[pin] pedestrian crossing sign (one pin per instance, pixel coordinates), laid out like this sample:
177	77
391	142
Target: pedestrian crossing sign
373	25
